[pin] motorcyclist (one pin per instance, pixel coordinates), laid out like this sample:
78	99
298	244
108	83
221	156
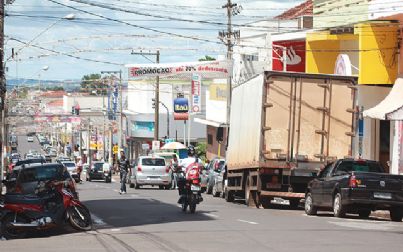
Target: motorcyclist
184	165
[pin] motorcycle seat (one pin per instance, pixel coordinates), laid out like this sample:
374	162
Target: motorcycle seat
22	199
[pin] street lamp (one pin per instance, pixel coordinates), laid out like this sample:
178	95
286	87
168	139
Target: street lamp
69	17
45	68
160	102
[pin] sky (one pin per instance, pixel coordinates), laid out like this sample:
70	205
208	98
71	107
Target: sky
103	33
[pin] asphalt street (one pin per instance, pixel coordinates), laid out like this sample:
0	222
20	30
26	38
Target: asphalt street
150	220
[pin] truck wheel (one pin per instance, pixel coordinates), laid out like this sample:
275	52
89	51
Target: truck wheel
131	185
310	208
229	196
250	196
364	214
294	203
396	214
338	208
265	202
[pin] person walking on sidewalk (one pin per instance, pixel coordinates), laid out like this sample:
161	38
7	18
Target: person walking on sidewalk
123	169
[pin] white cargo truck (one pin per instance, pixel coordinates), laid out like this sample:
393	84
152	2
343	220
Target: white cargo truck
283	128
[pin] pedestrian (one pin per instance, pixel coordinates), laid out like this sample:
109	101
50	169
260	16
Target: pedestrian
174	167
124	169
79	168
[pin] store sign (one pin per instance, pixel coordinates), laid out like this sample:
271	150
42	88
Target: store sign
218	92
295	55
210	69
343	65
181	109
196	93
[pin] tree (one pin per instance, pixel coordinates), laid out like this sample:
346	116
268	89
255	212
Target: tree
207	58
93	82
201	150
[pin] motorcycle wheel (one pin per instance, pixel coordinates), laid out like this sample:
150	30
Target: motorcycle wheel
192	204
184	205
80	218
8	231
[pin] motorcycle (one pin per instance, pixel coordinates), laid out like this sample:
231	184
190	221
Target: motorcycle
23	213
192	189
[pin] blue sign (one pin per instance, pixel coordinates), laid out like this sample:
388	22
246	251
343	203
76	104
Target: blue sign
181	105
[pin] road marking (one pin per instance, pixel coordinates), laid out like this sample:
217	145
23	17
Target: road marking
211	215
96	220
365	225
115	229
249	222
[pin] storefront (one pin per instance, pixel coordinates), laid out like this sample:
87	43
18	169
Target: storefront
369	51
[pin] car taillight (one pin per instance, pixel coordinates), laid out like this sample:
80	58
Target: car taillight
139	168
353	181
195	181
167	169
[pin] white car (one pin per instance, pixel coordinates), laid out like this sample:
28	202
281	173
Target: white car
30	139
150	171
72	169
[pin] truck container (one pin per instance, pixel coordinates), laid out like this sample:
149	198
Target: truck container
283	128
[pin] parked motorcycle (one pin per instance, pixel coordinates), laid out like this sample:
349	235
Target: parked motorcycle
23	213
192	188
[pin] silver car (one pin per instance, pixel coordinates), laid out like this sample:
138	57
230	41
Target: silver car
149	170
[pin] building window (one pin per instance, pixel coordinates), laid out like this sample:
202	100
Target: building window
210	139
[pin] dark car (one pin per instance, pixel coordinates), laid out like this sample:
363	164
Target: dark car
99	171
212	170
355	186
25	179
30	161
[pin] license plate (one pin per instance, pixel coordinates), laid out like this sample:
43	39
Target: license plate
380	195
194	188
153	177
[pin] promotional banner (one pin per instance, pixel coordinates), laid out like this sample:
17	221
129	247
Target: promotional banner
196	93
207	69
295	55
181	109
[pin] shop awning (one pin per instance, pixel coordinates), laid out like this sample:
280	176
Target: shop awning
391	108
210	123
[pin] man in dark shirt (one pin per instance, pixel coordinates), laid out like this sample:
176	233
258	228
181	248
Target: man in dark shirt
123	169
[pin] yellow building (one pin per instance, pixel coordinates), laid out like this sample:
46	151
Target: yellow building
371	47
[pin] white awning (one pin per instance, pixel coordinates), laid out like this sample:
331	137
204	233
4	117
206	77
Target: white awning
391	108
210	123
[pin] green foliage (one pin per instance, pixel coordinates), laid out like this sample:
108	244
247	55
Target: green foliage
57	88
201	150
93	84
207	58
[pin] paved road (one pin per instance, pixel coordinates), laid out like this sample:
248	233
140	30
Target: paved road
150	220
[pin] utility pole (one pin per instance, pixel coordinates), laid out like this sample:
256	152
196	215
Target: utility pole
2	92
227	37
157	101
157	90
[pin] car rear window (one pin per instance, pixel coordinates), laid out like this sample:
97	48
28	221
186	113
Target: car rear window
360	166
42	173
153	161
98	166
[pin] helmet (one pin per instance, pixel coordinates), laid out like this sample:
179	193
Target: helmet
191	150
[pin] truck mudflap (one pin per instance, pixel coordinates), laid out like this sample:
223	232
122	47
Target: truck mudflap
282	194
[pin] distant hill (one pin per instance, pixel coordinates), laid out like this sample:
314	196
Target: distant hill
69	85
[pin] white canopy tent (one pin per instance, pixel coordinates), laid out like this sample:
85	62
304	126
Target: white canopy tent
391	108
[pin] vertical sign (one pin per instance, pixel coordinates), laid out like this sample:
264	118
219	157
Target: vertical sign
360	136
196	93
181	109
